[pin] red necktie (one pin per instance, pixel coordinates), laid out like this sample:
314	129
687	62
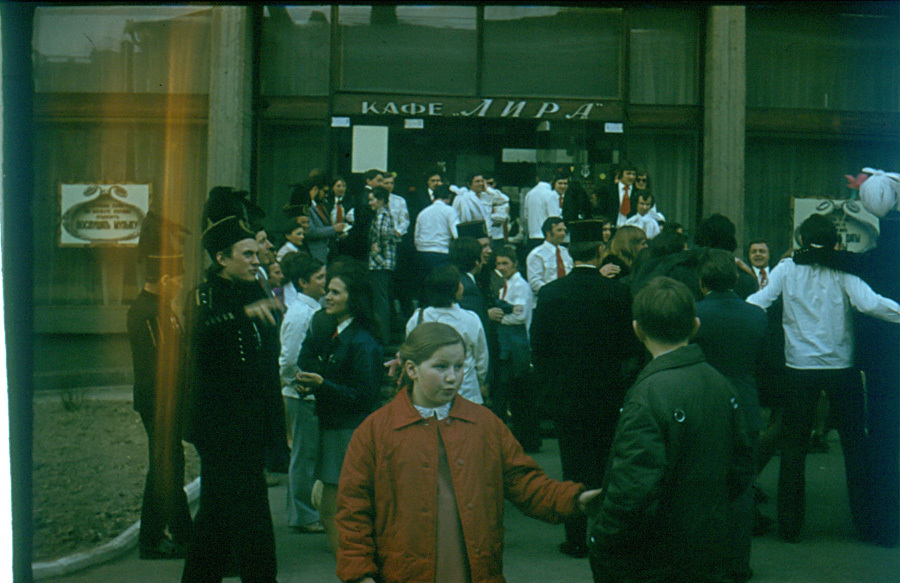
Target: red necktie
560	265
321	213
560	202
503	295
340	213
763	279
625	207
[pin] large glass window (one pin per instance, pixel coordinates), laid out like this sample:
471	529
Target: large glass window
296	50
844	56
664	55
670	160
778	169
121	49
408	49
552	51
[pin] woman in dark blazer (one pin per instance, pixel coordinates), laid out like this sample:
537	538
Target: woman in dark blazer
341	364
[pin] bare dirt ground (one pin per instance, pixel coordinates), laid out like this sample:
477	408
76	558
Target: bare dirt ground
89	470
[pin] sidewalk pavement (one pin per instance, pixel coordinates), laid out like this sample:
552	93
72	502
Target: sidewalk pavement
828	551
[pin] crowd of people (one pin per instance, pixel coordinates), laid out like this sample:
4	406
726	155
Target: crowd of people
671	371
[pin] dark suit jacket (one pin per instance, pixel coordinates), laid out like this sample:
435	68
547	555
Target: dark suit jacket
732	334
356	243
608	201
581	339
320	233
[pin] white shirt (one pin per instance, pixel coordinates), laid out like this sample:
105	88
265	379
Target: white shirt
348	215
399	213
435	226
541	264
441	412
756	270
647	223
540	203
293	331
470	208
288	247
818	328
517	293
499	213
468	324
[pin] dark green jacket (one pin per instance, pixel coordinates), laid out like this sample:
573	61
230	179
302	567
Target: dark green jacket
680	455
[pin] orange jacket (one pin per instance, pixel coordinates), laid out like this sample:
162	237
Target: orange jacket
387	496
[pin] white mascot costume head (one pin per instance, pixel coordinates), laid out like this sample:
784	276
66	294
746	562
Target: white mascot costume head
880	192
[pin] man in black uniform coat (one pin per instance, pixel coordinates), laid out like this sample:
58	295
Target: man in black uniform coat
582	339
234	351
159	354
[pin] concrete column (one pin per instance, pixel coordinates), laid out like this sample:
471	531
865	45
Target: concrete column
230	112
724	124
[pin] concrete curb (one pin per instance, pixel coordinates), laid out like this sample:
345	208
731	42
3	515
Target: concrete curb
104	553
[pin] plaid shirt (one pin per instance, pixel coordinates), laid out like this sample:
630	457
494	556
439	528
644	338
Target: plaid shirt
382	233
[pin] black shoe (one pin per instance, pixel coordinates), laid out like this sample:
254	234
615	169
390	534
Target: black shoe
164	550
573	550
761	524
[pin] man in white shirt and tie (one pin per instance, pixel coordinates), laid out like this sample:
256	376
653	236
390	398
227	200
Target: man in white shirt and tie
550	260
435	228
758	255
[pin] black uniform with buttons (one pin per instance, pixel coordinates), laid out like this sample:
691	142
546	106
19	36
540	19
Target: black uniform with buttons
234	395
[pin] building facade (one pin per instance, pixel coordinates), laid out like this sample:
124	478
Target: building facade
730	109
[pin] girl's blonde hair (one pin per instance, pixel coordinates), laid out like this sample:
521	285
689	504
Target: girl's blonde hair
626	243
426	339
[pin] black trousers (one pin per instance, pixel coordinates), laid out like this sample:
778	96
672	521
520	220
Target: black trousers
883	406
845	393
165	502
233	519
584	450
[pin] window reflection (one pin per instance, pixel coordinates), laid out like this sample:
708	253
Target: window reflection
296	50
408	49
552	51
121	49
838	60
664	56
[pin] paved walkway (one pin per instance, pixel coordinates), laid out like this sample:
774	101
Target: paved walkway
828	552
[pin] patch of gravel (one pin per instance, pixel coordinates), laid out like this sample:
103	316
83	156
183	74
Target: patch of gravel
89	470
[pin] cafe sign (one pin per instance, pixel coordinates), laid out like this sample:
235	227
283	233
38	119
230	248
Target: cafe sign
102	214
544	109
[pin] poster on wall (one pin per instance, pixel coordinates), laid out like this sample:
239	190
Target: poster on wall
370	148
102	214
857	227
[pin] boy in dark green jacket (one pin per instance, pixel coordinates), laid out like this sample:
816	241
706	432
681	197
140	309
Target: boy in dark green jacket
680	456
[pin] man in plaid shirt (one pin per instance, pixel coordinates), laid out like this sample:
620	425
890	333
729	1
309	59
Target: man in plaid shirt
383	241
